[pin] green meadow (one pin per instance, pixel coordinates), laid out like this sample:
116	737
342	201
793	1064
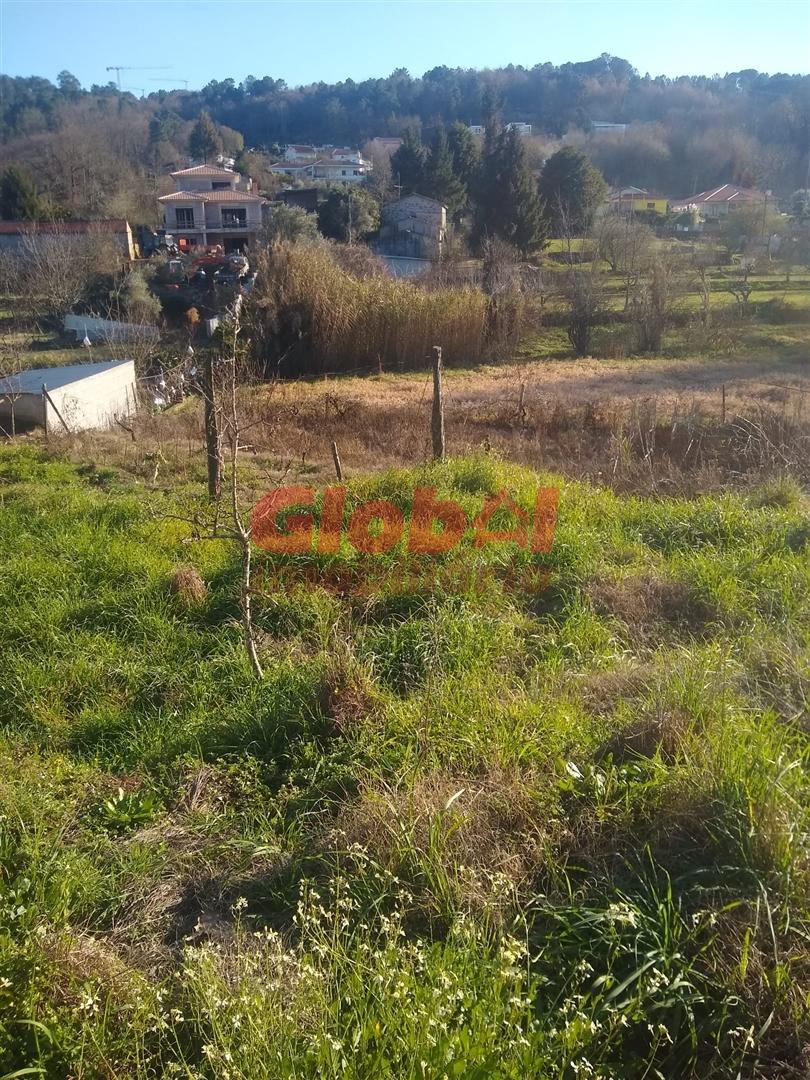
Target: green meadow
464	826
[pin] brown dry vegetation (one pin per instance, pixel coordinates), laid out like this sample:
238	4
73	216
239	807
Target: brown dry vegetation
481	838
632	425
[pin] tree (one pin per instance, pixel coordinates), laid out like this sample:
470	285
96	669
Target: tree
18	196
59	270
752	225
204	142
572	189
465	153
291	225
69	85
507	202
626	245
137	301
584	291
348	214
409	162
164	126
440	180
655	303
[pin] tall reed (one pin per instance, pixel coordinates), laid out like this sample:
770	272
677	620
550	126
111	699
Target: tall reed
312	316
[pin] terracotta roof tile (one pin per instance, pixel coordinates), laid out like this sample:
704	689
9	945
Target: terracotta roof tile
205	170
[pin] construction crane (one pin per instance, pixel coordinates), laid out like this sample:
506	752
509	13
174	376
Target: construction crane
118	69
183	81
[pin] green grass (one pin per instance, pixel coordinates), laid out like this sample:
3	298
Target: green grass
465	831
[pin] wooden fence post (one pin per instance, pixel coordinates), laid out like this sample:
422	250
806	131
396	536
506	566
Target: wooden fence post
213	440
336	459
437	419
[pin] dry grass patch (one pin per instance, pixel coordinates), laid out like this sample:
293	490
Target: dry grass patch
661	731
648	603
187	587
602	691
484	838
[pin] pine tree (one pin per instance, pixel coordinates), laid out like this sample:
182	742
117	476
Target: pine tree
408	164
507	203
18	196
441	181
524	224
466	156
572	189
204	142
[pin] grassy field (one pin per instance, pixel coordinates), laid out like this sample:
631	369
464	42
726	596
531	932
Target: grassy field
492	815
465	827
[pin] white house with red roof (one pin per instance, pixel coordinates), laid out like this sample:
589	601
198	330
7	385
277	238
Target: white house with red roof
212	205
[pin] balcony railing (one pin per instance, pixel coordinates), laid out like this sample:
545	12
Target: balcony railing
233	223
186	225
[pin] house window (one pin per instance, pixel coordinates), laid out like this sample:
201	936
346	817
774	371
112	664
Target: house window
650	205
234	219
185	217
221	185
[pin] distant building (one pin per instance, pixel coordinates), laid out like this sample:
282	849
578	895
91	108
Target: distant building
296	169
414	226
296	152
338	164
13	233
513	125
608	125
717	202
387	143
212	205
633	200
76	397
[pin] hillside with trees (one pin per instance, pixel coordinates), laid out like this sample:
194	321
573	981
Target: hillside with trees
101	151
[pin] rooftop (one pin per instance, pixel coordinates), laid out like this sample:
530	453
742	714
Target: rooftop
205	170
30	381
724	193
211	196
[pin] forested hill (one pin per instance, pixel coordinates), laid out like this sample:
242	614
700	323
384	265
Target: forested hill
686	133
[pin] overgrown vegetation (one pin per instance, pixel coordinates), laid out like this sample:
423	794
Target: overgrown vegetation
461	827
312	315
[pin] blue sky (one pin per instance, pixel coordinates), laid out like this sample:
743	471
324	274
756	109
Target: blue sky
304	41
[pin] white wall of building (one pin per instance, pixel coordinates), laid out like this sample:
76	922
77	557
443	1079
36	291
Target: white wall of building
96	401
